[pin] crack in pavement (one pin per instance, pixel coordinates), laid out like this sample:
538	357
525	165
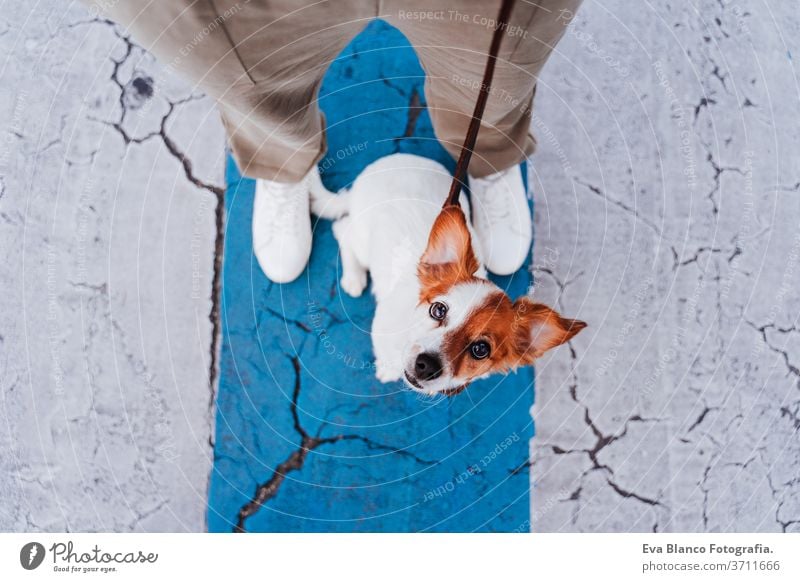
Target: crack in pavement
717	177
784	523
562	285
176	152
603	441
793	370
414	109
287	320
621	205
704	102
677	262
701	417
630	494
792	416
296	460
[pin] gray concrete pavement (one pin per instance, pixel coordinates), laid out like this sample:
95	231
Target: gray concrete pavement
667	218
108	242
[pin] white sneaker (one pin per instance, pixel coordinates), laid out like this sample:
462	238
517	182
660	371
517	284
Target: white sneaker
502	219
282	227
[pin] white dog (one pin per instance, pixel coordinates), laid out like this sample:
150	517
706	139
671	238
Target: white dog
439	323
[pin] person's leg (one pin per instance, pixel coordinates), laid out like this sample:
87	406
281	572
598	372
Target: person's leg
286	47
452	42
263	62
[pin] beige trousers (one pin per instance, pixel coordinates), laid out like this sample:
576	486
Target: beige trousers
263	61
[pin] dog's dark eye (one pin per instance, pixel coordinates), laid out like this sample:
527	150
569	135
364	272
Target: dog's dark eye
479	350
438	310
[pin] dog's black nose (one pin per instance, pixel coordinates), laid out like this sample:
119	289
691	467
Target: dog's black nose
428	366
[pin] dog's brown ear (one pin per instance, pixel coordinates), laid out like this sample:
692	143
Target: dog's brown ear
537	328
448	258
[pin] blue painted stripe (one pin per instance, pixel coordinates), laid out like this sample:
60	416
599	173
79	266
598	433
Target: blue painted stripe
403	463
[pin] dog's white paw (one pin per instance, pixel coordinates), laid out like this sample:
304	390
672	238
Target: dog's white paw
354	283
387	372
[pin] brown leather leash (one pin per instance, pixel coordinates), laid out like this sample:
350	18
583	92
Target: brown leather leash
460	174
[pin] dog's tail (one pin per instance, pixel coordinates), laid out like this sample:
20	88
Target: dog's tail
325	203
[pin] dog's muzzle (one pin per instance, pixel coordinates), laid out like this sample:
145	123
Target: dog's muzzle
427	366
